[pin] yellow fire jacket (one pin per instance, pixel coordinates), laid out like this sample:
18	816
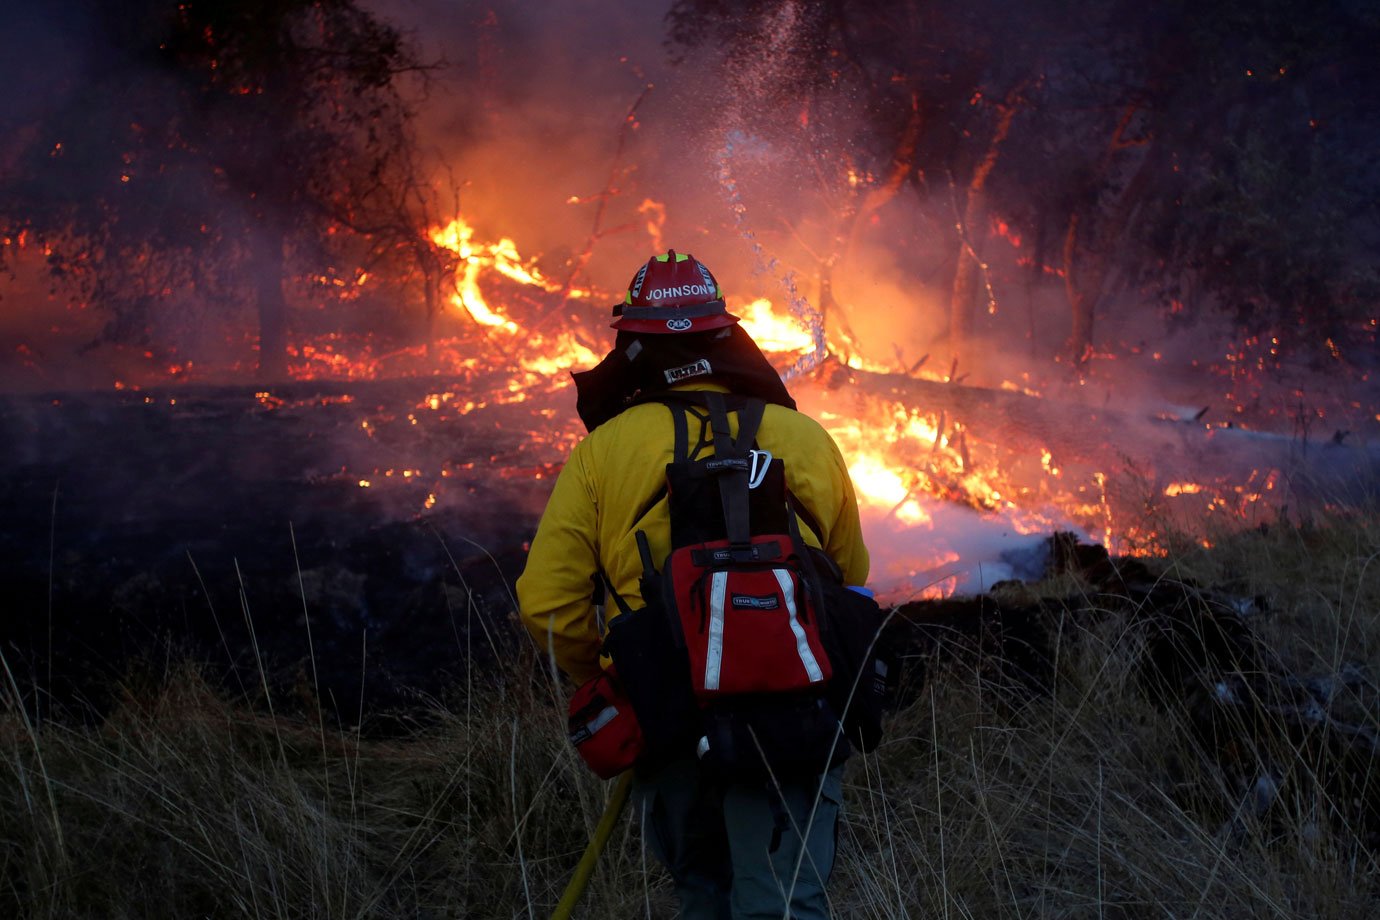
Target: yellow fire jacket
590	522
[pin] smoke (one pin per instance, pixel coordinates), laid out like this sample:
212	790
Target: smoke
527	116
957	552
531	109
80	85
45	51
531	128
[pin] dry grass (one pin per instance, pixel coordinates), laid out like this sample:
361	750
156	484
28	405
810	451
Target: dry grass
1090	801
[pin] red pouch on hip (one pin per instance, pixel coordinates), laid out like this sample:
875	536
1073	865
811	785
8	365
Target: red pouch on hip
602	726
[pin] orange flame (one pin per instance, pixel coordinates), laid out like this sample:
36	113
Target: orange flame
906	463
545	356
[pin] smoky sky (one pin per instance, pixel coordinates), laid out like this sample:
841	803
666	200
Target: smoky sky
522	119
527	111
43	48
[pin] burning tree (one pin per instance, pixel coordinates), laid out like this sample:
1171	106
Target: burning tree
887	98
220	153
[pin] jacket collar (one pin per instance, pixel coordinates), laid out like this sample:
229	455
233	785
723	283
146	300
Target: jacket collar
639	366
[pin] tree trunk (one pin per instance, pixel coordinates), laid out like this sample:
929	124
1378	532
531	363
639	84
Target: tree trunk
967	280
1090	256
432	295
831	314
852	219
963	297
902	168
1083	283
1033	279
272	306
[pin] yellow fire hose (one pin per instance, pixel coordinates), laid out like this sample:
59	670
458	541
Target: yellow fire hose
580	880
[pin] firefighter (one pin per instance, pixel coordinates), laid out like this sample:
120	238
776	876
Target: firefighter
732	848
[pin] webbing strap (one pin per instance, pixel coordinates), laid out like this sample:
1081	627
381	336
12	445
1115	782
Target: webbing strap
732	481
682	449
609	591
644	551
681	411
807	562
749	420
804	515
683	406
724	445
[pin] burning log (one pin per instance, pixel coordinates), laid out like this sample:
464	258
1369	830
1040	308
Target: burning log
1165	449
1023	423
1020	422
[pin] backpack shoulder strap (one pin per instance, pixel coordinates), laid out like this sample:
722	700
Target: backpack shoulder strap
682	406
749	421
731	466
750	412
684	403
711	408
606	588
804	515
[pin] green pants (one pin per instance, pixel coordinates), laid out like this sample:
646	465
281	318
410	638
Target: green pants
733	848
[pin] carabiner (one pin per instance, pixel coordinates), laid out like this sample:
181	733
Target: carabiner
756	474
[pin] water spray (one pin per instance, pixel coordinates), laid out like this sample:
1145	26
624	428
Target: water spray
804	312
781	31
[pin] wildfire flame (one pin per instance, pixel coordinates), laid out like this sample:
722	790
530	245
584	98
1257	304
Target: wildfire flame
911	467
543	355
901	461
773	332
905	463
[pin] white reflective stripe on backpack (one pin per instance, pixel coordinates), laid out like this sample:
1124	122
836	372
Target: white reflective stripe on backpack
802	644
718	590
605	716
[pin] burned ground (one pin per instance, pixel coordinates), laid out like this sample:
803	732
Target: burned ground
222	525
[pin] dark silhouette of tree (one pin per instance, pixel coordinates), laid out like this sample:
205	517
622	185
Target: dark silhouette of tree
1208	155
1264	190
232	151
1215	155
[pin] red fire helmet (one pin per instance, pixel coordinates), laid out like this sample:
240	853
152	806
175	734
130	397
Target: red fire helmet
672	293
